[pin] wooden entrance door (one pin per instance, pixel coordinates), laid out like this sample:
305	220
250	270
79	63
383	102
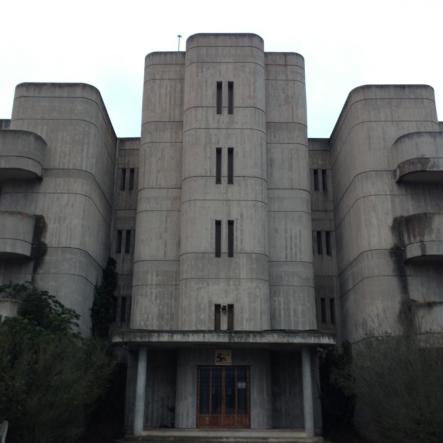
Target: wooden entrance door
223	397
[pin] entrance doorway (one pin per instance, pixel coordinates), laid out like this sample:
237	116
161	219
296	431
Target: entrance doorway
223	397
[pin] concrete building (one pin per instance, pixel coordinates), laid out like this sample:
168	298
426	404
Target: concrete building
241	244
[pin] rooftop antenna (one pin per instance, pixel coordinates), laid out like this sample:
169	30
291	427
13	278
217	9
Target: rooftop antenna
179	37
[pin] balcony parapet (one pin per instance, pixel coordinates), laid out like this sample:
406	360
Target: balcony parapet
422	236
21	155
418	157
16	234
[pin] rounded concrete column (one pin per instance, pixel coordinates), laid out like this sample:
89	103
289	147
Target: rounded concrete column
140	391
308	404
241	280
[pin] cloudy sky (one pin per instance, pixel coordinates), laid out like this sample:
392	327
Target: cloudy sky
345	44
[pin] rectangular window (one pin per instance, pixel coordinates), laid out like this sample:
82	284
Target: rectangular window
230	317
218	165
230	97
332	310
315	172
123	308
217	313
324	179
323	318
230	166
319	243
131	178
118	245
230	238
122	179
328	242
218	238
219	97
128	242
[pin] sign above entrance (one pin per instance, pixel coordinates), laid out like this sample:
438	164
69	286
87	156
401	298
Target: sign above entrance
223	357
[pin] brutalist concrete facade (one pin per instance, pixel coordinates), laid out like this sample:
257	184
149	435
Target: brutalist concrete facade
234	234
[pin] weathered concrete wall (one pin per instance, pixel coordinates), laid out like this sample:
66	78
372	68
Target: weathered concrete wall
367	200
156	257
124	219
75	195
325	265
260	389
206	280
290	237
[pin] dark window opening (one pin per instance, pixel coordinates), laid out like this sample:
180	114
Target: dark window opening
218	238
332	310
230	97
230	317
128	242
219	101
328	242
230	238
316	187
319	243
323	317
118	245
230	166
122	179
324	180
217	315
218	165
131	178
123	308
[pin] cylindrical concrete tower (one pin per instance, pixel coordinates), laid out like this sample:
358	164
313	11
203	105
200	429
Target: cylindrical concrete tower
157	241
224	210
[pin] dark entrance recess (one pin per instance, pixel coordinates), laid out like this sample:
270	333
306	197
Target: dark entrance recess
223	397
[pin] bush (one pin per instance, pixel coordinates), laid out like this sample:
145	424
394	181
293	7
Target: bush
50	376
398	382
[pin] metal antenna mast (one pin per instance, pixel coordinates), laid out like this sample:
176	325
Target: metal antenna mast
179	37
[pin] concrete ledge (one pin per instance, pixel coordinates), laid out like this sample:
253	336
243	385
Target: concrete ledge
261	339
419	157
224	435
21	155
16	234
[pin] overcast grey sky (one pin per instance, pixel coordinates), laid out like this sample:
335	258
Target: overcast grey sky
345	43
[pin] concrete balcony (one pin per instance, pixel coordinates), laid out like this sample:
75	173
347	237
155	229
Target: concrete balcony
16	234
422	237
21	155
419	158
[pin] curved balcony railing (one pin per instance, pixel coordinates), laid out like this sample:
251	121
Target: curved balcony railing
422	236
16	234
21	155
418	157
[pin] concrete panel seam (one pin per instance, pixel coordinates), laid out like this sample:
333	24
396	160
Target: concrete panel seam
225	62
358	256
110	156
224	107
83	251
63	193
105	117
350	106
67	273
224	129
336	154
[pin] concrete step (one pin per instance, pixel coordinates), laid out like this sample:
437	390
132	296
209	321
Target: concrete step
223	436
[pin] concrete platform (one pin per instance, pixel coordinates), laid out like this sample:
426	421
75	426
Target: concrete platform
223	436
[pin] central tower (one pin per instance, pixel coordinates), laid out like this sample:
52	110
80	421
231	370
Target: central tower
224	250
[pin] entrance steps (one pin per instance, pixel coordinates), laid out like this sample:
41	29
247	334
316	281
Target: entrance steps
222	436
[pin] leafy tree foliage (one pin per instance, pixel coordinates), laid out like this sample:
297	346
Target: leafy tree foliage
50	376
396	386
104	305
